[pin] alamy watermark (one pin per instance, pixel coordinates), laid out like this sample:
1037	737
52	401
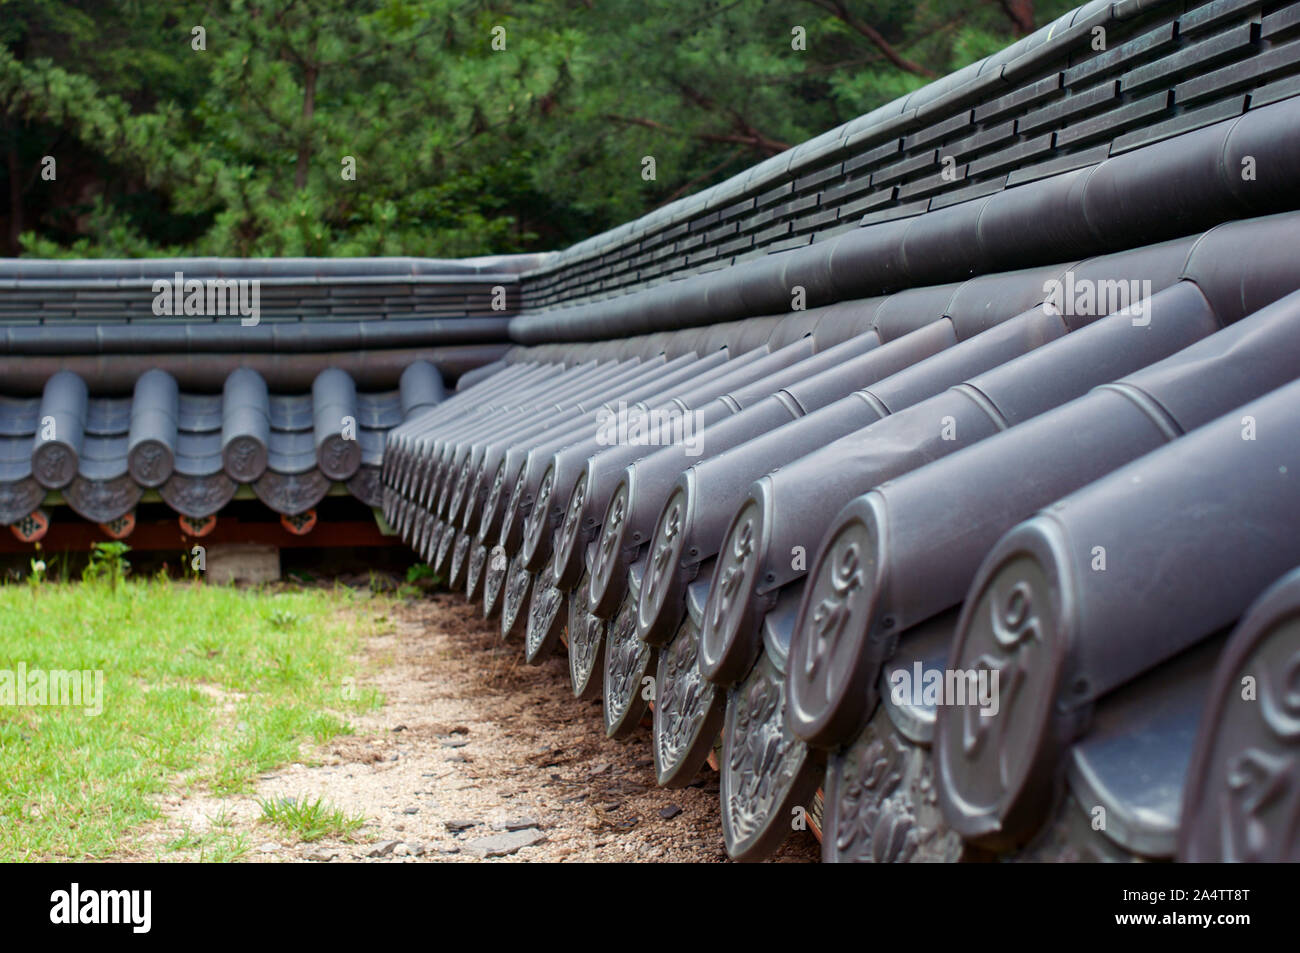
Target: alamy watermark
23	687
133	908
660	427
212	297
1084	297
939	687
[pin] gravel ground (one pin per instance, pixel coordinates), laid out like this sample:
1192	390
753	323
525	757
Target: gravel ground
474	752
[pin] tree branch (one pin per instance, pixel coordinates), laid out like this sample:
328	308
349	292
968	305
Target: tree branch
737	120
732	156
754	141
1021	14
837	9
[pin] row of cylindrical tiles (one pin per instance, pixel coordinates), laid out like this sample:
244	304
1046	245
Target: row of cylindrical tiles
245	424
957	564
1175	187
104	273
293	371
195	449
136	341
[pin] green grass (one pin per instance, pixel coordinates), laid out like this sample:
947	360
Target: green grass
218	845
309	820
205	688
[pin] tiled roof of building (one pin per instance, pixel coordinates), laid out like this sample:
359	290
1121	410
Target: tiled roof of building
996	384
1026	435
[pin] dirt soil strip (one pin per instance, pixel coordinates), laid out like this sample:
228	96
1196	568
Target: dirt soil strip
471	744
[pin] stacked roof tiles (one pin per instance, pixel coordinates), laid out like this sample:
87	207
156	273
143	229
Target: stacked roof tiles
186	380
937	476
102	454
948	494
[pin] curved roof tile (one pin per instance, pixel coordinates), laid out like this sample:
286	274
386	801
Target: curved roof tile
195	450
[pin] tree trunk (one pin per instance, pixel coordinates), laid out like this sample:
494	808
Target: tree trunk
1021	13
15	191
308	110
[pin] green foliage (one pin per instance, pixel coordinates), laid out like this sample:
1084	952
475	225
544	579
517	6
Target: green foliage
420	578
37	574
309	820
107	564
282	620
240	148
218	845
417	572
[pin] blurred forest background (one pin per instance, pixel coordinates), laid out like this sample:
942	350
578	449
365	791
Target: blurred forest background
221	127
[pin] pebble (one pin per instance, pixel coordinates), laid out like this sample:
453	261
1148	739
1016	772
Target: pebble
322	857
460	824
383	849
671	811
503	845
516	824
